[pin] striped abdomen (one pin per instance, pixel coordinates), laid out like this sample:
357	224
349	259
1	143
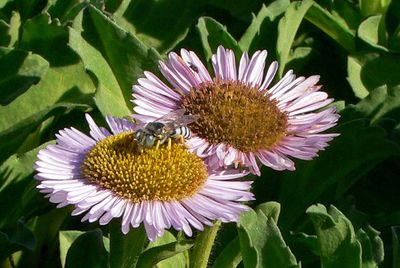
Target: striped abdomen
182	131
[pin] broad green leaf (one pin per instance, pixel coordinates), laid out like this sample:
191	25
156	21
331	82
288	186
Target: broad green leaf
372	247
230	257
369	32
162	27
16	133
19	70
262	28
65	86
332	26
46	230
108	97
19	237
348	12
176	261
16	180
373	7
358	149
125	57
87	251
9	31
154	255
213	34
354	68
66	239
382	102
4	2
270	209
47	38
62	9
338	245
369	71
125	249
261	242
287	30
298	58
396	245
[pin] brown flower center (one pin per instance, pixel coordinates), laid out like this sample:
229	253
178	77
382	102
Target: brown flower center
162	174
236	114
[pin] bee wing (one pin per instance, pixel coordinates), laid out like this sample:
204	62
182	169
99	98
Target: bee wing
177	118
171	116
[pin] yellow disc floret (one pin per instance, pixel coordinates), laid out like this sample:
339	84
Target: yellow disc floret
163	174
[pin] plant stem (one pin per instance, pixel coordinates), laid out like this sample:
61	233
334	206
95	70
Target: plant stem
203	245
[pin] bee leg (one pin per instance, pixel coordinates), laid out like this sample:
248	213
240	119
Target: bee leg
157	144
169	143
181	139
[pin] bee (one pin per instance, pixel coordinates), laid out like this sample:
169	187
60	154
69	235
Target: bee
171	126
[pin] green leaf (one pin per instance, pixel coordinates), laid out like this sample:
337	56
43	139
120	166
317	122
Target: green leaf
65	86
125	249
230	257
87	251
108	97
380	103
369	71
338	245
176	261
359	148
261	242
161	28
19	70
262	28
375	7
213	34
287	30
354	68
369	31
17	238
64	9
372	247
348	12
16	133
66	239
332	26
16	180
125	57
154	255
9	31
270	209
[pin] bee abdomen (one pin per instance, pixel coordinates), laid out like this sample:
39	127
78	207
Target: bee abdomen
183	131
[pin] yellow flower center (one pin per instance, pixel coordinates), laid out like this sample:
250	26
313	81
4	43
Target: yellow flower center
236	114
162	174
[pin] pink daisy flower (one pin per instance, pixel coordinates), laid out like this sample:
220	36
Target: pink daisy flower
104	176
243	118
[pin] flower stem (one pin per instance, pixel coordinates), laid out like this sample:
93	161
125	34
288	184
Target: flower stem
203	245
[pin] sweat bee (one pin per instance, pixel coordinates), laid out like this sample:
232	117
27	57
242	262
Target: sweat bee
170	126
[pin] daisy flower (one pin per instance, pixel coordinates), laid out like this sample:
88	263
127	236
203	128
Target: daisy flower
105	176
243	118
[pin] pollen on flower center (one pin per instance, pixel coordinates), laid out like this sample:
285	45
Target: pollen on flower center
237	114
162	174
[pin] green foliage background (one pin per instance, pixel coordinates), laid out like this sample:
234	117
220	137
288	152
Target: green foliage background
62	58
